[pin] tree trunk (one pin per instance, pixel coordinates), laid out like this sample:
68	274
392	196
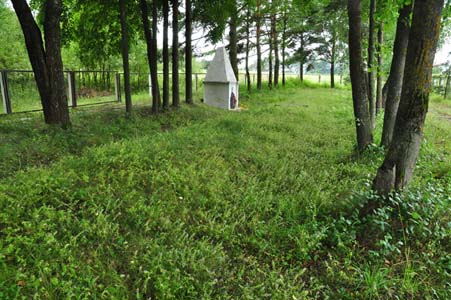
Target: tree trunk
359	84
384	91
150	54
156	102
233	39
284	37
47	64
380	41
371	50
125	61
332	65
259	52
398	166
394	86
447	86
165	54
248	76
301	71
270	61
175	53
188	54
275	39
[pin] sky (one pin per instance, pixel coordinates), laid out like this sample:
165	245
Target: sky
443	55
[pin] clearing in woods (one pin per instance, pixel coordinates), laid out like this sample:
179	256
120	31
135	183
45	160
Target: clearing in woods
200	203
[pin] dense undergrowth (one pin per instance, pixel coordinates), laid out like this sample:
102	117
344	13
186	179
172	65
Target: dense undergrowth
199	203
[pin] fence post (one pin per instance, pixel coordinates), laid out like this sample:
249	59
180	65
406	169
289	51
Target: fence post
117	86
5	92
71	86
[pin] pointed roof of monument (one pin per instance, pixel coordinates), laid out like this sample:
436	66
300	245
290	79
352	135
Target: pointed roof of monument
220	69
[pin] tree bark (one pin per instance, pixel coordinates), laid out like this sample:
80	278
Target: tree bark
46	63
259	52
284	38
332	64
125	60
275	39
188	54
398	166
233	39
384	91
150	54
394	86
175	53
165	54
248	75
380	42
371	50
156	102
301	71
359	84
270	60
447	86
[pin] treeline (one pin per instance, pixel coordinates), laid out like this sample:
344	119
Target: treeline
407	88
266	35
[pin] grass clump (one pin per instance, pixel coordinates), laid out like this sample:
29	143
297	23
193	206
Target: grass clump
259	204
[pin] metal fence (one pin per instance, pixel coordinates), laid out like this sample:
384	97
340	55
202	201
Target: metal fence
92	87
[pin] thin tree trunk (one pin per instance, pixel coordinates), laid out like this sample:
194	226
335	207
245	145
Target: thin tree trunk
270	61
380	41
150	54
303	59
259	52
275	39
46	63
233	39
332	65
394	86
175	53
359	84
384	91
248	75
399	164
301	71
371	77
156	102
165	54
284	38
125	61
188	54
447	86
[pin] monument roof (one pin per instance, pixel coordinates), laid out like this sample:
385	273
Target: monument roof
220	69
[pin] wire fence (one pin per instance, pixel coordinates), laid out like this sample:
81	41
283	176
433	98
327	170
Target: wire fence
93	87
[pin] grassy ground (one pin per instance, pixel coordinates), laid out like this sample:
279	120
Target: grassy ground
199	203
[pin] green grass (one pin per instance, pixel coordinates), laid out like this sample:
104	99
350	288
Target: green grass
199	203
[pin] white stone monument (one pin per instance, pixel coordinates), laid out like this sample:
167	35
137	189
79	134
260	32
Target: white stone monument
220	84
